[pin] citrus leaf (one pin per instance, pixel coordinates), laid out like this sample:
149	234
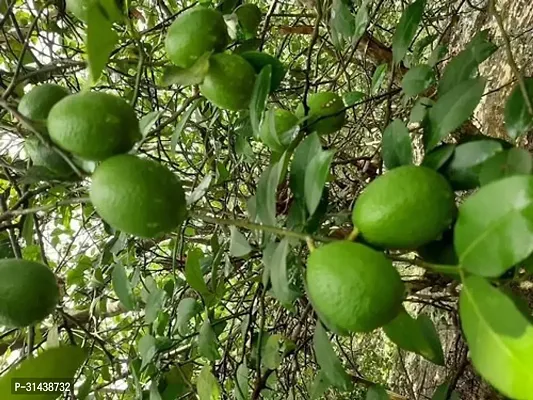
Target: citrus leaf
438	156
85	388
154	391
122	287
27	229
239	246
420	109
499	337
154	304
463	66
437	54
495	227
242	387
101	39
416	335
193	271
57	363
518	119
316	175
200	190
319	386
279	276
507	163
187	308
452	110
341	24
259	98
271	358
148	121
378	77
361	21
417	79
266	192
396	145
302	156
441	393
406	29
352	98
193	75
376	392
207	385
328	360
207	342
180	126
147	350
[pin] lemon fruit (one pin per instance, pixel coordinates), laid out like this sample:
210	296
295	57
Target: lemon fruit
137	196
278	136
249	16
326	113
37	103
46	157
352	287
29	292
405	208
258	60
194	33
229	83
93	125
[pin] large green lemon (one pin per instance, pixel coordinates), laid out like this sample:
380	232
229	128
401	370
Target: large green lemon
44	156
326	113
352	287
28	292
258	60
405	208
138	196
93	125
194	33
229	83
37	103
276	129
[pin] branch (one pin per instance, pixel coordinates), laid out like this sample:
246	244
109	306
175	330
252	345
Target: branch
9	215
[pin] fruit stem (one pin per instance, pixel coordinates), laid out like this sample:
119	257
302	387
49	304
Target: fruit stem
310	244
353	234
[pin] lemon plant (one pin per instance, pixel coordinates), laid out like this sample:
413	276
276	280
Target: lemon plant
244	200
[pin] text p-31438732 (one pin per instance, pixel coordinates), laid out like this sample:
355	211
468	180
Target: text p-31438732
41	386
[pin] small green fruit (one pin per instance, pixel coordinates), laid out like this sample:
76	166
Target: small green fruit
326	114
37	103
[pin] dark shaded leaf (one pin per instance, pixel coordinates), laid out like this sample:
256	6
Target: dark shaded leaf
352	98
376	392
341	23
316	175
396	148
207	342
441	393
507	163
242	387
207	385
420	109
378	78
361	21
406	29
436	158
518	119
319	386
418	79
187	308
148	121
147	349
193	271
266	192
259	98
302	156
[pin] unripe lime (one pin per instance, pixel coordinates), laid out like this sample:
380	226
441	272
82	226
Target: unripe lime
194	33
93	125
28	292
37	103
326	113
138	196
352	287
405	208
229	83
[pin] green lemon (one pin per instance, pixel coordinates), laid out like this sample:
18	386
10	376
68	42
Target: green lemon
194	33
278	136
44	156
137	196
37	103
28	292
352	287
405	208
249	16
229	82
325	115
258	60
93	125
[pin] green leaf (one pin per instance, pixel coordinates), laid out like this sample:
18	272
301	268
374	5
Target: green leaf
27	229
378	77
207	342
193	271
319	386
56	363
207	385
507	163
259	98
352	98
518	119
201	189
376	392
122	287
420	109
437	55
180	126
187	308
406	29
271	358
495	226
463	66
154	304
418	79
361	21
239	246
242	387
85	388
266	192
148	121
279	276
154	391
302	156
316	175
193	75
416	335
328	360
436	158
499	337
341	23
396	145
147	349
452	110
101	40
441	393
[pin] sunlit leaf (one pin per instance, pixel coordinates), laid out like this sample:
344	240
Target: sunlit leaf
207	385
101	40
147	349
122	287
207	342
507	163
259	98
148	121
193	271
316	175
239	246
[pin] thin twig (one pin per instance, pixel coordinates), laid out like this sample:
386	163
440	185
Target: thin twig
9	215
